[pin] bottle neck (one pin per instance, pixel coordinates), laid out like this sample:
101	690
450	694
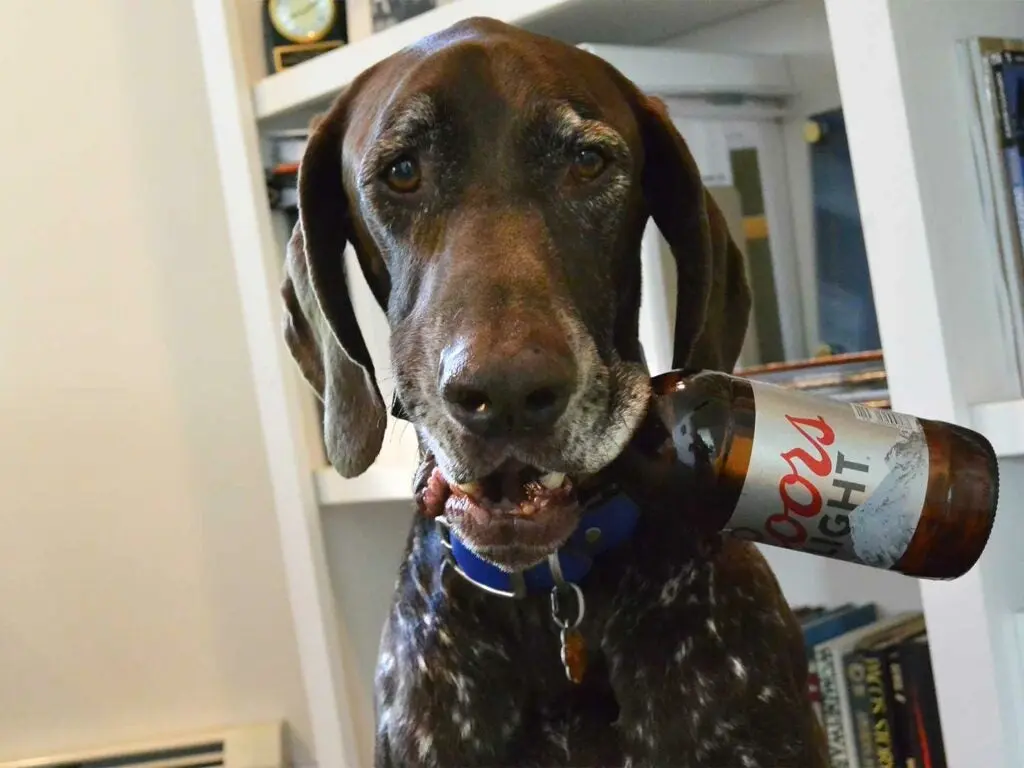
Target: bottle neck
689	458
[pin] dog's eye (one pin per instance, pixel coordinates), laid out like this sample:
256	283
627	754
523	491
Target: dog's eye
403	175
588	164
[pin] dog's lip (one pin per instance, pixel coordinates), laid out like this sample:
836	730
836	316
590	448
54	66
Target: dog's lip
506	537
550	481
523	525
513	488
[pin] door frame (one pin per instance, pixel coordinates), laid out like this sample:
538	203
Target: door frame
759	126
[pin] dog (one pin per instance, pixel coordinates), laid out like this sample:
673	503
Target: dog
494	185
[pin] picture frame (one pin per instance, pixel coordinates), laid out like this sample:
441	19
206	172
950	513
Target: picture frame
368	17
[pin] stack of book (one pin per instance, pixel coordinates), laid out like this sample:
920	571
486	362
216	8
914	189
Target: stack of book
870	680
856	377
282	151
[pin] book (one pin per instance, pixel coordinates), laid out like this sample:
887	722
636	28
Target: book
282	152
860	683
898	714
807	613
857	377
809	619
837	690
873	701
903	725
920	729
826	626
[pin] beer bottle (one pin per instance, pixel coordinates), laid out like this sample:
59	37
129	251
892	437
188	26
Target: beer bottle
804	472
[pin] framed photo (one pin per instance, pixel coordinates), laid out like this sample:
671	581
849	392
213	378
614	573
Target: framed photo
367	17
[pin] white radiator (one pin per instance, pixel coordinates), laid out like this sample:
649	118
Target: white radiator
254	746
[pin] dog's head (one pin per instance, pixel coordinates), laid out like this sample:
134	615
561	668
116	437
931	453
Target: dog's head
495	186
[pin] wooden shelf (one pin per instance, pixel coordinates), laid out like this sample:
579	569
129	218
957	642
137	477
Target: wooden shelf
299	90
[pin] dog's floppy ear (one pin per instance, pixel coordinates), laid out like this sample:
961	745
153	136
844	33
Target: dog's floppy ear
321	330
713	296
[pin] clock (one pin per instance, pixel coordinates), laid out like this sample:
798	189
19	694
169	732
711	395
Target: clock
297	30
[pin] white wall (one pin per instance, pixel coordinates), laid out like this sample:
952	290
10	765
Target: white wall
141	587
250	16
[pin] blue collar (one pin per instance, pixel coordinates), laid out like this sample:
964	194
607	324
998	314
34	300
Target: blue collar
604	525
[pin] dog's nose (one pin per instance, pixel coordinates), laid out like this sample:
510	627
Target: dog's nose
498	395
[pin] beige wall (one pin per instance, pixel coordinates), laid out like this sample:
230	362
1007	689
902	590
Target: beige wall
141	586
250	16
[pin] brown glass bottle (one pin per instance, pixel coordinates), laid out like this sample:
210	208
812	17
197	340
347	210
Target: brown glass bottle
803	472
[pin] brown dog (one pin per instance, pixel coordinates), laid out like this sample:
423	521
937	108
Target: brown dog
495	185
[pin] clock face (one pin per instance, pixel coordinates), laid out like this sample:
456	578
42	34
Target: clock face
303	21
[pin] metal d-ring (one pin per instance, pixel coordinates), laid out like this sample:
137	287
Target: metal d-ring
563	586
573	589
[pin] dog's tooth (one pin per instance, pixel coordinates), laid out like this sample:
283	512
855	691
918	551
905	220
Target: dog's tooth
470	489
552	480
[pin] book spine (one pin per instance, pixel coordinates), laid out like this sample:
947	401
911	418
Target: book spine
814	687
923	707
913	738
860	710
830	626
831	709
879	694
900	712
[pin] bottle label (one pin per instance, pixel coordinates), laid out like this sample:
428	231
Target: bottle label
832	478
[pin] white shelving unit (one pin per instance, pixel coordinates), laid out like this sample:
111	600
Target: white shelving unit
902	96
573	20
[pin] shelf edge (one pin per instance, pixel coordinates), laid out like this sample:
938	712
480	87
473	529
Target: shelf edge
677	72
1002	423
386	482
318	78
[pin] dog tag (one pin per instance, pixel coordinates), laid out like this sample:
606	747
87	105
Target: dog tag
574	655
574	649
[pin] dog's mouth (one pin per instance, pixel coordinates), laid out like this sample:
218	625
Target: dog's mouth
513	517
